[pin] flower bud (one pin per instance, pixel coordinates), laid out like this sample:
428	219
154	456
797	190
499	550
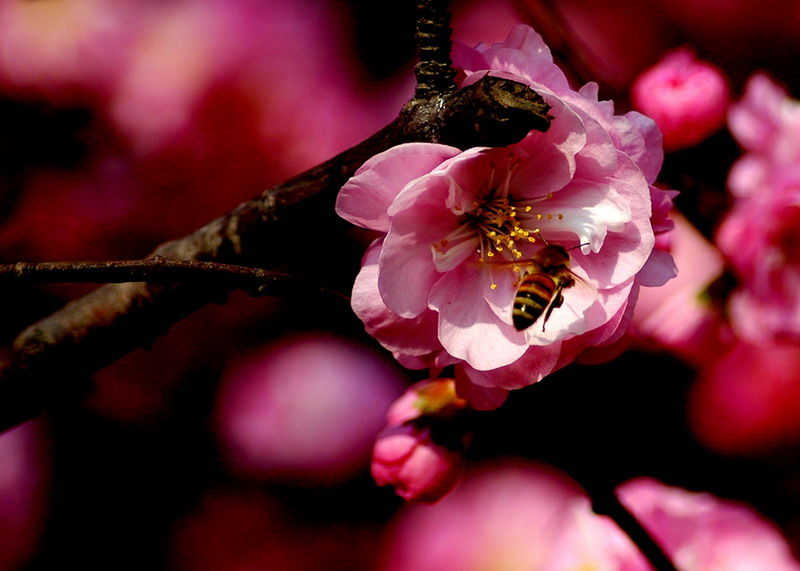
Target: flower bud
420	452
407	458
686	97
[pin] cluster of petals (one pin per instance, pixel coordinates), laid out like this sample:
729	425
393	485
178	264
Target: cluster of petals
460	229
686	97
522	515
759	235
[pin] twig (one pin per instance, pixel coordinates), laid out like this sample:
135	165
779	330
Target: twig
605	502
160	270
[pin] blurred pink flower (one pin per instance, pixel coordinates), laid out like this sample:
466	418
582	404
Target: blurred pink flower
766	123
701	532
511	515
67	51
745	401
462	228
305	409
761	232
522	515
686	97
24	483
191	102
680	316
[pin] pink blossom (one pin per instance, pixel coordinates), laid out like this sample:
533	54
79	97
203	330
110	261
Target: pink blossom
428	397
760	234
407	458
24	493
745	401
680	316
461	229
523	515
506	516
766	123
420	453
307	408
687	98
702	532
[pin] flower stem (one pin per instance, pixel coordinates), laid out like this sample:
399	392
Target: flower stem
434	70
605	502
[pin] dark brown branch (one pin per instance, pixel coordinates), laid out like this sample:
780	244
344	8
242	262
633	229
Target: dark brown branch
294	216
434	70
160	270
605	502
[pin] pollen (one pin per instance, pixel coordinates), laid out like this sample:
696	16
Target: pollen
499	222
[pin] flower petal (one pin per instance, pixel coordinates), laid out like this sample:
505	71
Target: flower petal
413	337
365	199
468	328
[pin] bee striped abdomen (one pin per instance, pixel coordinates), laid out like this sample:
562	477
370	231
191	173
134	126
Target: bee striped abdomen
532	298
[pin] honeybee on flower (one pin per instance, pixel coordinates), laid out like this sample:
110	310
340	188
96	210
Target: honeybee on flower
438	288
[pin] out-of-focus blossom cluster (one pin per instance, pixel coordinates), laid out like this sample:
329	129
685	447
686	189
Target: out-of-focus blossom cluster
743	340
761	234
184	109
517	515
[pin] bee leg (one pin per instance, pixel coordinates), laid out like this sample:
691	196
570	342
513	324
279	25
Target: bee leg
556	302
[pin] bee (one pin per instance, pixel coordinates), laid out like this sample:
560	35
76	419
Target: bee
541	287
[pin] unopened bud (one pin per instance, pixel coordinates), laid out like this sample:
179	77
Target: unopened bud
686	97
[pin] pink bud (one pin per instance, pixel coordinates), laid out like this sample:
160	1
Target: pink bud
686	97
421	470
425	398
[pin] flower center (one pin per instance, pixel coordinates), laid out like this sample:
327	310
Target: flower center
500	227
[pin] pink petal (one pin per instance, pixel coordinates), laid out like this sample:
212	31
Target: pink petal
407	269
550	162
468	328
414	337
530	368
365	199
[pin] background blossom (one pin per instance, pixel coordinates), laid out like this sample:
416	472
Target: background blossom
127	123
760	234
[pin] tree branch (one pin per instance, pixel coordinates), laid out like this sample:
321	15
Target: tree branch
605	502
95	330
160	270
434	70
